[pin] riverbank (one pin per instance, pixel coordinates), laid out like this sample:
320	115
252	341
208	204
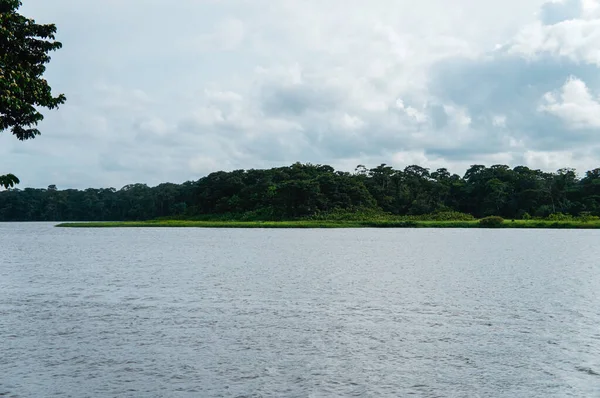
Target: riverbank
334	224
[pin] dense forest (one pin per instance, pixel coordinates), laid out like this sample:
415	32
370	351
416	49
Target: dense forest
305	190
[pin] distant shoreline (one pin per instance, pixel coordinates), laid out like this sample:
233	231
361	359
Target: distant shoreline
539	224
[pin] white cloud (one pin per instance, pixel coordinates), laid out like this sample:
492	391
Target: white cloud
574	104
349	122
499	120
575	39
413	113
223	96
153	125
590	8
407	158
205	165
227	35
548	160
459	117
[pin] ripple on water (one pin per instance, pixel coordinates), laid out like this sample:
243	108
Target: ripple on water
299	313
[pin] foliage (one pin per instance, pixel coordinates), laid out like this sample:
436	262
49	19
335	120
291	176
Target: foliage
559	217
24	48
586	216
339	214
445	216
319	193
8	180
491	221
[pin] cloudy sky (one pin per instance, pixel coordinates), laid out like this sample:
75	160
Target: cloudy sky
171	90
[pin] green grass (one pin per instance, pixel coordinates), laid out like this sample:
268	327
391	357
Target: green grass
334	224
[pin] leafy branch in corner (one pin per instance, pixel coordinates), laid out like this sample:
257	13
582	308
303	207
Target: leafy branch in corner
24	48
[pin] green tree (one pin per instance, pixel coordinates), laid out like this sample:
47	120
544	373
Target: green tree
24	48
307	190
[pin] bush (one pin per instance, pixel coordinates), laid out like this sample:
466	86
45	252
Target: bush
560	217
391	224
350	214
491	222
587	216
446	216
526	216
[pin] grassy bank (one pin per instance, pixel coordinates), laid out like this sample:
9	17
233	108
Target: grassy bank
336	224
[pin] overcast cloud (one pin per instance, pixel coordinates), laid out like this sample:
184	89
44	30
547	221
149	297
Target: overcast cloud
170	91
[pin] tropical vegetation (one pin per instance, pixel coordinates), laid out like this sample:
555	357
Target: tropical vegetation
319	192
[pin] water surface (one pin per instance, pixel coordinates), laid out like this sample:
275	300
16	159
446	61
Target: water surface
299	313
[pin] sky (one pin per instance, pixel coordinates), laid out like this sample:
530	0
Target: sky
169	91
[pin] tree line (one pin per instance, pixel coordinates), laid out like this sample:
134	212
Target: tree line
305	190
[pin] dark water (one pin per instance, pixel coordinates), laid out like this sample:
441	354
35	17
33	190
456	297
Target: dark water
298	313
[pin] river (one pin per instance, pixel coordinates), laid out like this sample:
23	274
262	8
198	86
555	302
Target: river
298	313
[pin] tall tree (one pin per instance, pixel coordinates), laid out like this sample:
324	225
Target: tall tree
24	48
